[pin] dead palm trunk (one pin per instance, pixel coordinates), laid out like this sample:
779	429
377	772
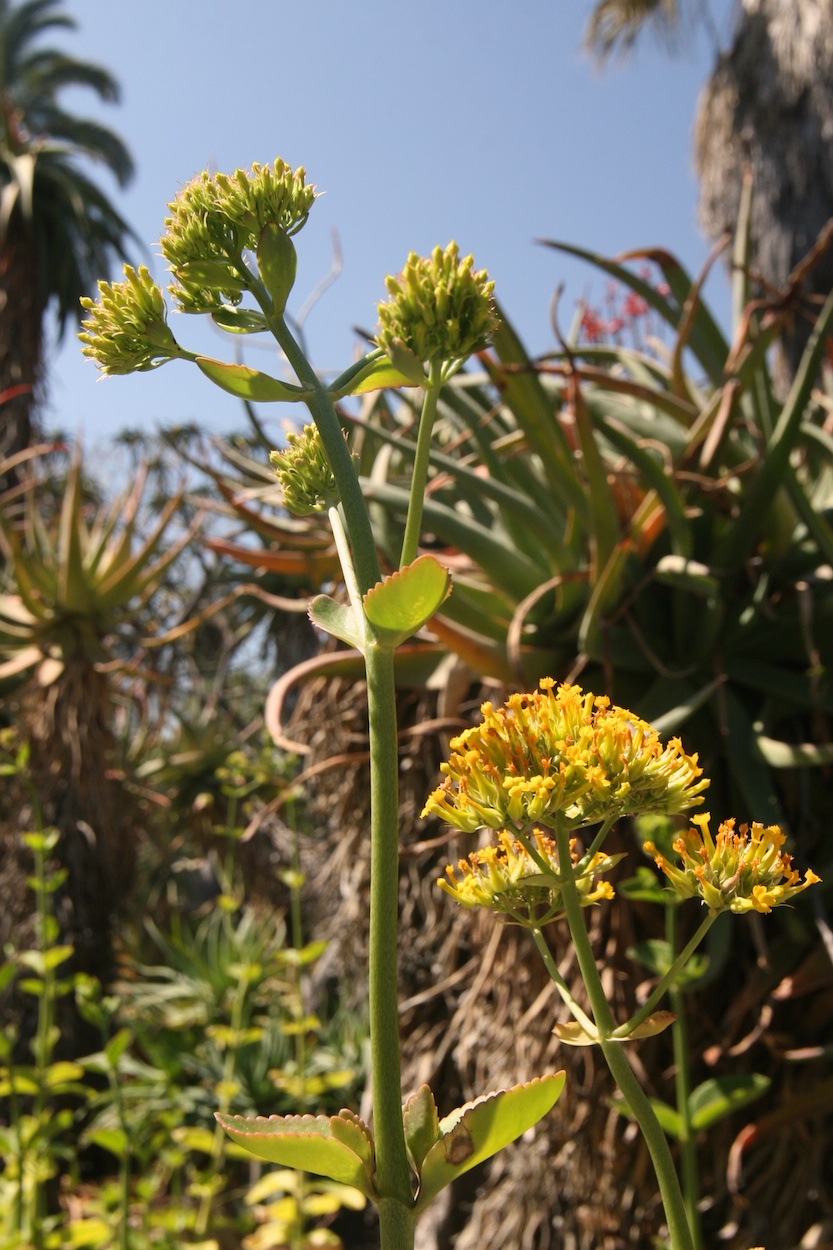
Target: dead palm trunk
768	108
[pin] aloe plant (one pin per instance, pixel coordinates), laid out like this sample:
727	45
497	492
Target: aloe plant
657	522
74	607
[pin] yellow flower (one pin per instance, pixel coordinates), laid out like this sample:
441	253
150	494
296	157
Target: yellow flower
440	308
218	217
126	328
741	872
506	879
304	473
561	754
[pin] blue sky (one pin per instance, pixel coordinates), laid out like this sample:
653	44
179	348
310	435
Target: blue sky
421	122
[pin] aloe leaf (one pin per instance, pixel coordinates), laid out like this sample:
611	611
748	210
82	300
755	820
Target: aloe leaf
792	685
516	576
605	529
309	566
522	392
816	524
671	720
401	604
130	571
308	1143
749	772
604	594
739	537
679	528
513	502
793	754
688	575
720	1096
707	343
481	1128
247	383
72	591
338	620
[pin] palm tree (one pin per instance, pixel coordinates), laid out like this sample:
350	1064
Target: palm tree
766	109
58	231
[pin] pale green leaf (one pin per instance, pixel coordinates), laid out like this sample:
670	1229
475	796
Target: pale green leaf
307	1142
247	383
479	1129
400	604
338	620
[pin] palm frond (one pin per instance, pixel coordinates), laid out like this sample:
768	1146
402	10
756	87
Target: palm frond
615	25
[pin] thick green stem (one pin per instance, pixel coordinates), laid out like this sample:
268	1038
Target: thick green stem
392	1172
682	1087
324	415
393	1180
419	478
617	1061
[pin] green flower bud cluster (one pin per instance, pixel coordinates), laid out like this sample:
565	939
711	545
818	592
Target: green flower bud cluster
216	218
304	473
440	309
127	329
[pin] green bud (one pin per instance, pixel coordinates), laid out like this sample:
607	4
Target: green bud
304	473
218	218
277	261
127	329
439	308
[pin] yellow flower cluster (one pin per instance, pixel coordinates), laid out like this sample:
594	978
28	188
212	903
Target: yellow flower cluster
218	217
507	879
740	871
560	754
440	308
304	473
126	329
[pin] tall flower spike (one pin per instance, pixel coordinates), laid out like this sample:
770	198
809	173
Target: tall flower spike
561	755
127	329
216	218
740	872
440	308
506	879
304	473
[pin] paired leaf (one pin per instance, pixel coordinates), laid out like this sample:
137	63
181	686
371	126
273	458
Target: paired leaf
401	604
338	620
574	1034
247	383
480	1129
338	1146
